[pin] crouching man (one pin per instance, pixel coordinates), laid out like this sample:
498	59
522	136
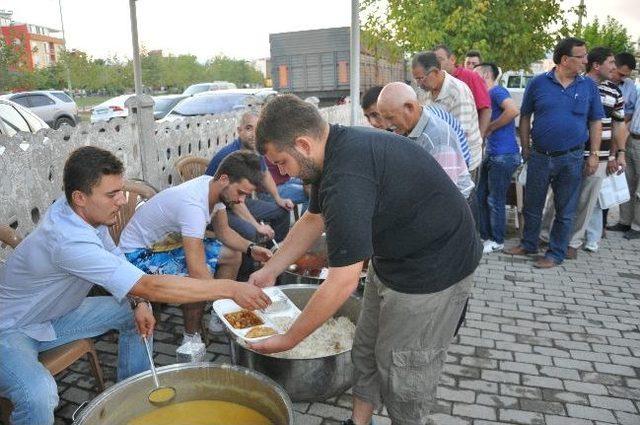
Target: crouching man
44	287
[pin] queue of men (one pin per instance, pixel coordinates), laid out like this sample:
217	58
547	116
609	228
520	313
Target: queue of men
421	195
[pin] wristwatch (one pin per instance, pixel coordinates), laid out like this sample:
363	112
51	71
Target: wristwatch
250	248
135	301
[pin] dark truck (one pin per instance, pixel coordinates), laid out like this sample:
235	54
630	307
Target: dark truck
316	63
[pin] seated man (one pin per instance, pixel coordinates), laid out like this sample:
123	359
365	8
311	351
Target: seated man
398	104
44	287
166	235
248	217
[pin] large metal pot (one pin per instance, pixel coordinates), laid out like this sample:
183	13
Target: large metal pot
192	381
305	379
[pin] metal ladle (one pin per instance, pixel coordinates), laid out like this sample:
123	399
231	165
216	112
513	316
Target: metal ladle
160	396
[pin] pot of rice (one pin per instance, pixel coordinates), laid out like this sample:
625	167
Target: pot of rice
320	366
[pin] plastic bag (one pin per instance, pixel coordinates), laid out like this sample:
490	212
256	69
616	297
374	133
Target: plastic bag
192	349
614	191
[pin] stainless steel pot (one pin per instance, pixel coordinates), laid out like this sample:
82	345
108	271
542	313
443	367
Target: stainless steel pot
305	379
192	381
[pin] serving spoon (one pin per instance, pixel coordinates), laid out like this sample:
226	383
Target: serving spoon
160	396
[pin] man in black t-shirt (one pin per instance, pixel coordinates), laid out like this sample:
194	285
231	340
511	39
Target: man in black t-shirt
377	195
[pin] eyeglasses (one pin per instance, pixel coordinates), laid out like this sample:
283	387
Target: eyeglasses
578	56
426	74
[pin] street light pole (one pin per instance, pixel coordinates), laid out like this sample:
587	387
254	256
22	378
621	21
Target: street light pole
354	79
137	70
64	45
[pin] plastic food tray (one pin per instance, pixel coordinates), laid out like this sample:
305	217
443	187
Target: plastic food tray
281	307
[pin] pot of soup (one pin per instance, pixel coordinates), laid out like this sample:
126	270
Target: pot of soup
320	367
206	394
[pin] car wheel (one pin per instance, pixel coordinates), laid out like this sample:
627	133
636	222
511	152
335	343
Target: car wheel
64	121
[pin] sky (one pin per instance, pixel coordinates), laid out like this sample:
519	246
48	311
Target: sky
206	28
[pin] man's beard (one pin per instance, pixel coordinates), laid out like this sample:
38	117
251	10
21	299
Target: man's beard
309	173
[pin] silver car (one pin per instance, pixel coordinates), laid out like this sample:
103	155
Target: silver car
14	118
53	106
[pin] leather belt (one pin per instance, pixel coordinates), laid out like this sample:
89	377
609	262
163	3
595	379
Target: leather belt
558	153
635	136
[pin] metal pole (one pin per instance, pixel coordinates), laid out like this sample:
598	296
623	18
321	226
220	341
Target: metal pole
137	70
354	78
581	12
64	45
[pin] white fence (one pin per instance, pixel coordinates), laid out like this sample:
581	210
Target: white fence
31	165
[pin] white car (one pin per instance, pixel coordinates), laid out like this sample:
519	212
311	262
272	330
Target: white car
14	118
110	109
204	87
515	82
55	107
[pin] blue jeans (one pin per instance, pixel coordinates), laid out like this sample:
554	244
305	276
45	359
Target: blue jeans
293	189
564	174
269	212
495	177
30	386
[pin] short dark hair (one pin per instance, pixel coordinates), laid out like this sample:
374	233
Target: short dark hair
370	97
284	119
564	47
598	55
473	54
85	167
443	47
626	58
491	67
242	164
427	60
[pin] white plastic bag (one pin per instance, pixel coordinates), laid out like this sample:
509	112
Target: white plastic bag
522	175
614	191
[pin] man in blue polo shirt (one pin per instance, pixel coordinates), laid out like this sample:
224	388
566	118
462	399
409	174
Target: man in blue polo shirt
568	111
249	218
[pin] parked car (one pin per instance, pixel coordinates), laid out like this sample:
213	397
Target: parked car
515	82
110	109
14	118
218	102
53	106
163	104
203	87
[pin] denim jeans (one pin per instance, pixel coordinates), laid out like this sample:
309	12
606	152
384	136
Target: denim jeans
564	174
269	212
495	177
292	189
30	386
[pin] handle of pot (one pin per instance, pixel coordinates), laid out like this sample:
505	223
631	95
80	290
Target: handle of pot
75	413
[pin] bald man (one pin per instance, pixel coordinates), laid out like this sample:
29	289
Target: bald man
398	104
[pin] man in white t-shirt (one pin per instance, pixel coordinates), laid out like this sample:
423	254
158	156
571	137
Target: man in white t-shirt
166	235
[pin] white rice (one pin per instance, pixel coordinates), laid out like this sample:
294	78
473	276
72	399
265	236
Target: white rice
333	337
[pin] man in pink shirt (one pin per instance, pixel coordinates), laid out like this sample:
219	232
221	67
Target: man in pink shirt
471	79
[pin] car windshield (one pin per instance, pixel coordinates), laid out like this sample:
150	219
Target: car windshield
196	88
162	105
202	105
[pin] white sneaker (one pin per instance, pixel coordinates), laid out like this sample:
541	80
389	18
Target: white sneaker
492	246
591	246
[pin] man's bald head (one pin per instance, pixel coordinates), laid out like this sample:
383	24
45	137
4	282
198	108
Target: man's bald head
398	104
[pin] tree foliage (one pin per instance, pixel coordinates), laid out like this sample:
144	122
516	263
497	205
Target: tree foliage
512	33
610	34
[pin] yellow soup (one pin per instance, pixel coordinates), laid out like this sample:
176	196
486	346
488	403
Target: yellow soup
202	412
161	395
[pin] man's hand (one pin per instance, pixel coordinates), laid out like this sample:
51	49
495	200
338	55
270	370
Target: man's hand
260	253
591	166
266	230
285	203
622	162
250	297
145	322
262	278
275	344
612	166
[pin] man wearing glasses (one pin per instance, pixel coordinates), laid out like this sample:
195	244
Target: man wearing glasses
568	114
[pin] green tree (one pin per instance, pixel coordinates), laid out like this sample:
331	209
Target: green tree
512	33
610	34
237	71
12	67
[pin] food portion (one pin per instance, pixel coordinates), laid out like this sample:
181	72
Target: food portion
333	337
260	331
243	319
202	412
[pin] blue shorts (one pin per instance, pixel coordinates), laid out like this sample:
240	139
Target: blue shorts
173	261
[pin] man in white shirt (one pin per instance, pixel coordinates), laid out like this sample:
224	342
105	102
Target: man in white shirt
166	235
45	282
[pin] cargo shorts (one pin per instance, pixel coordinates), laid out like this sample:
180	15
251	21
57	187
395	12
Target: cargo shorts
400	346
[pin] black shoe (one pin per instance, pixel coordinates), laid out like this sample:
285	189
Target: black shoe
632	234
619	227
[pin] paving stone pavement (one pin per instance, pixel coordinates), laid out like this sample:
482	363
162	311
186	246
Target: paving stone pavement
557	347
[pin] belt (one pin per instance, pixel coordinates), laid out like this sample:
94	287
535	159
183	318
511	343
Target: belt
635	136
558	153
